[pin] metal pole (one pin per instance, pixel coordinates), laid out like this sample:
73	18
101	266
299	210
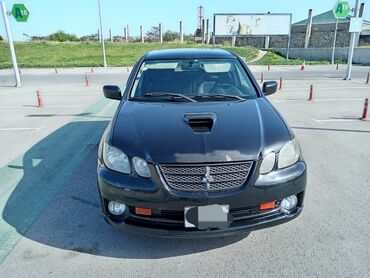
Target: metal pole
334	43
110	35
128	33
11	46
181	33
351	47
102	35
141	33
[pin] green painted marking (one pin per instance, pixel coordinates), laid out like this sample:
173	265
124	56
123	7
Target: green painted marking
30	182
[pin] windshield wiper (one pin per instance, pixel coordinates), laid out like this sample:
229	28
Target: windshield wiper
222	96
169	94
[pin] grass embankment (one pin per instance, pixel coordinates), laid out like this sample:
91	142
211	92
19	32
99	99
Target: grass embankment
272	58
86	54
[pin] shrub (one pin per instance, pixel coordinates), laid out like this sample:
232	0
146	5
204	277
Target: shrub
61	36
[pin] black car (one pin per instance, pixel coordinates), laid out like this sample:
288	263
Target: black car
196	149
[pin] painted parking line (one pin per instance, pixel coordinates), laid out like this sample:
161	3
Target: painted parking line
21	128
72	94
35	106
336	120
319	88
318	100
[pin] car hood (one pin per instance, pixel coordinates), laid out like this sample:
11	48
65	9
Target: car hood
160	133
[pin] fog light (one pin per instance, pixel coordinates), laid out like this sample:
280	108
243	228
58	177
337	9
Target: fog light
116	208
289	203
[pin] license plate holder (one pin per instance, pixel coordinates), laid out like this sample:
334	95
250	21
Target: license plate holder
206	217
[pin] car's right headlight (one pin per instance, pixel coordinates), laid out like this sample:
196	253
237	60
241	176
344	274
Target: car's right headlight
115	159
289	154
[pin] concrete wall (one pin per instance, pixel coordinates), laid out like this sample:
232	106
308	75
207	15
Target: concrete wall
360	55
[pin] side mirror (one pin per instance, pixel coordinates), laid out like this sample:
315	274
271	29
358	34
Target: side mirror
269	87
112	92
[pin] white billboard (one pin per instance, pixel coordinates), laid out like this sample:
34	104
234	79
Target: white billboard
251	24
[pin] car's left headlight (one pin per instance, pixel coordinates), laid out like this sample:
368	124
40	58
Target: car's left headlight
141	167
289	154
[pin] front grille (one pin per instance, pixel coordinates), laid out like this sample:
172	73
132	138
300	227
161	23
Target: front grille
206	177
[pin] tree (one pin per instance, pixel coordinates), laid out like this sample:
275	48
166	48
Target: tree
153	34
92	37
170	36
1	38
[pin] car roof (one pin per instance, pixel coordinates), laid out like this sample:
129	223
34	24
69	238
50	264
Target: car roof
189	53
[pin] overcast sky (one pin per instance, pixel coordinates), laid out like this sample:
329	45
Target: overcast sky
81	16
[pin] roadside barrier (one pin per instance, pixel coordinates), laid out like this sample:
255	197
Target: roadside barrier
56	70
86	80
261	80
368	78
268	67
311	96
364	112
281	83
40	103
303	65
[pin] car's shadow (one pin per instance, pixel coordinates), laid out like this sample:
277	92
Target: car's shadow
56	202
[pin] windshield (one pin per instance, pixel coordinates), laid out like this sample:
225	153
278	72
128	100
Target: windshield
200	79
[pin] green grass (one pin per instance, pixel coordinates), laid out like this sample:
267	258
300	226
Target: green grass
272	58
86	54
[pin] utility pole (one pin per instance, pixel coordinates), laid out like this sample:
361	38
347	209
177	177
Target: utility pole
308	29
11	46
181	32
160	33
125	34
352	45
102	35
141	34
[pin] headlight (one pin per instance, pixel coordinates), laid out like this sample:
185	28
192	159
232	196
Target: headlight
268	163
116	160
289	154
141	167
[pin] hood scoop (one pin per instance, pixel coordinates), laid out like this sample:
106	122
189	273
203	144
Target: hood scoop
200	122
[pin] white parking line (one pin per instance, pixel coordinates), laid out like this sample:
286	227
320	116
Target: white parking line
337	120
62	106
316	100
319	88
35	106
20	128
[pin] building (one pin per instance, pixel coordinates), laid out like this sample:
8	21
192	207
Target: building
322	32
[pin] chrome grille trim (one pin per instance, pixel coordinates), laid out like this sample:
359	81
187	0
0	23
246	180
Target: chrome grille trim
191	177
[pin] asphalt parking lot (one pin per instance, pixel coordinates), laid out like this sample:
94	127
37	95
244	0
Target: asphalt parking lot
50	222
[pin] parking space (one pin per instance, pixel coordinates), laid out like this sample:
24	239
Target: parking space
48	163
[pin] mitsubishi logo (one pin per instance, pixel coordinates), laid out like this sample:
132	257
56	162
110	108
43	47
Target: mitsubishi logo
207	179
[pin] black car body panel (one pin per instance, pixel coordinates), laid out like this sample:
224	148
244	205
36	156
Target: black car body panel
159	132
250	124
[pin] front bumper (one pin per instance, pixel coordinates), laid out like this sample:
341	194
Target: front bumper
167	219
